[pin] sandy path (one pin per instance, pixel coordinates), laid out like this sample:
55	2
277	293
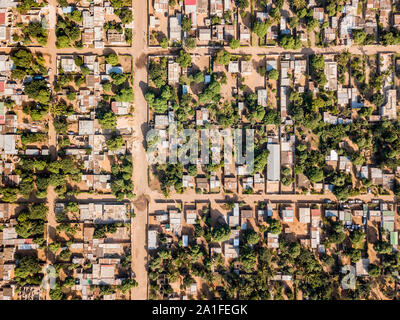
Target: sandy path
139	227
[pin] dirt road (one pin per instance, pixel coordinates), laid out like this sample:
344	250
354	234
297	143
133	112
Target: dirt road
139	227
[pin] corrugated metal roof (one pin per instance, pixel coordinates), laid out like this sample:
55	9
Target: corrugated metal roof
274	162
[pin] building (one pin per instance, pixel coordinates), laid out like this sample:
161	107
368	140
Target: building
389	109
161	6
304	215
246	67
274	162
287	214
173	72
175	29
262	97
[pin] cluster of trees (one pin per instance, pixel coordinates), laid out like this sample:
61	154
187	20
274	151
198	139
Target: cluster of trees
38	90
42	174
221	233
106	117
28	271
286	176
305	110
334	231
68	31
360	37
125	14
386	148
31	222
32	30
223	57
26	64
317	66
28	137
257	113
290	42
391	37
159	103
184	59
121	182
27	5
115	142
342	183
158	97
170	175
100	230
211	93
309	163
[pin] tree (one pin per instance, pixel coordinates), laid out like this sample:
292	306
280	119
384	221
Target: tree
76	15
294	22
223	57
124	95
108	120
248	258
118	78
289	42
112	59
383	247
164	43
221	233
251	237
356	236
234	44
126	15
107	86
128	284
315	174
71	96
359	36
190	43
186	24
63	42
275	226
85	70
273	74
261	28
27	267
242	4
9	194
374	270
184	59
56	294
22	58
54	247
312	24
262	71
114	143
354	254
199	77
298	4
317	62
18	74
